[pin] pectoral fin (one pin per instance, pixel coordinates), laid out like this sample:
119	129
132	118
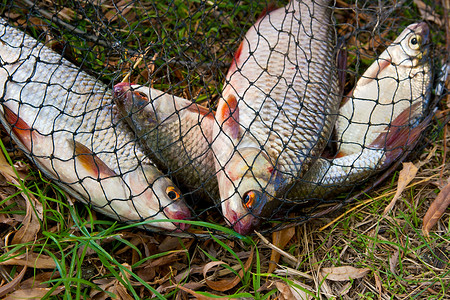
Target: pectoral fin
399	136
228	116
90	162
20	128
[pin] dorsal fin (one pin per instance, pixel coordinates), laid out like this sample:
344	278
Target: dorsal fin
91	162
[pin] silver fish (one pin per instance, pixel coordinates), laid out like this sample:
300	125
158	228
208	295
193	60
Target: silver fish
277	110
379	120
64	120
175	131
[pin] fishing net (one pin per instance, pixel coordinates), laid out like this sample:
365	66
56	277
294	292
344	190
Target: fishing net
185	49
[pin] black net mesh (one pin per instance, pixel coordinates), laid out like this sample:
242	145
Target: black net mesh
224	120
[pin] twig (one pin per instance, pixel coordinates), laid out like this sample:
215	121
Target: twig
273	247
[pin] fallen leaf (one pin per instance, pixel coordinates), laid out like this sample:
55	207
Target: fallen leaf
226	284
436	209
279	239
34	293
200	296
344	273
111	285
33	260
285	291
393	262
290	291
10	286
345	289
427	13
6	169
30	224
300	294
407	174
378	284
39	280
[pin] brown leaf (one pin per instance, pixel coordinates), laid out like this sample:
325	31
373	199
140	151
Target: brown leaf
39	280
34	293
226	284
393	262
6	169
30	225
427	13
33	260
200	296
10	286
378	284
407	174
279	239
436	210
344	273
285	291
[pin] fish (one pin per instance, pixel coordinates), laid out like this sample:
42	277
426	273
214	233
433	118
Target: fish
65	121
176	132
277	110
382	117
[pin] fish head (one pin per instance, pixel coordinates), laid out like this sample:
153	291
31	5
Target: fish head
134	105
247	185
411	47
155	197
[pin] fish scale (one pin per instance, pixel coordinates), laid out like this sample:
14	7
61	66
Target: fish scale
175	132
65	122
310	120
278	105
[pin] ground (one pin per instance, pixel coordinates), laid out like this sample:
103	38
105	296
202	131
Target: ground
52	246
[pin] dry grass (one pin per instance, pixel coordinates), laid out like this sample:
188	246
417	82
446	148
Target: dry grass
73	252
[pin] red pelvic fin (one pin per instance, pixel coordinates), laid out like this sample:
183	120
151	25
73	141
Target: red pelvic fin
228	115
20	128
91	162
399	136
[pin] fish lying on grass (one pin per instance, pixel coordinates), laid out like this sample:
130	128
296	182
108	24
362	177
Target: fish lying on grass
379	120
64	120
189	124
277	110
175	131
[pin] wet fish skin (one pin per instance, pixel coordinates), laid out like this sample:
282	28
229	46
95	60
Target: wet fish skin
64	121
175	131
378	121
278	106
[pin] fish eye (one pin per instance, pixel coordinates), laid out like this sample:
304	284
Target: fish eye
172	193
250	198
415	42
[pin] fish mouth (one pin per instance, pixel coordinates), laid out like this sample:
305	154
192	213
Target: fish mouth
241	224
121	88
178	214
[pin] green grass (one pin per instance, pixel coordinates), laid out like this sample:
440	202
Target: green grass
90	251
